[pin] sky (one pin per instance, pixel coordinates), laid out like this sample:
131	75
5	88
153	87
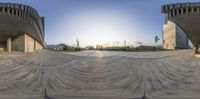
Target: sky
100	21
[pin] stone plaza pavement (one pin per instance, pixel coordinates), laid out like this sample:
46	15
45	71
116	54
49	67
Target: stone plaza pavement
100	75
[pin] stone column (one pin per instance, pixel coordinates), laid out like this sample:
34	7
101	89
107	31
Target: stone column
187	10
9	44
192	9
17	13
20	14
173	11
3	10
177	12
12	11
182	11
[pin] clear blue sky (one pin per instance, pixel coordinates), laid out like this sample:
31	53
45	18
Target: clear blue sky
100	21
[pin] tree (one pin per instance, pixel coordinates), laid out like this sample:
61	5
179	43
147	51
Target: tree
156	40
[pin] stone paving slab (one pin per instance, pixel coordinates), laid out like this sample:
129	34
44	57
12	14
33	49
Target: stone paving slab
153	54
100	75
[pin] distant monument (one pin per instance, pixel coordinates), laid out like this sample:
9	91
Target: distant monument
77	43
125	43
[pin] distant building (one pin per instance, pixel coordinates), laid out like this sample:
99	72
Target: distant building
50	46
99	46
89	47
174	37
60	46
56	47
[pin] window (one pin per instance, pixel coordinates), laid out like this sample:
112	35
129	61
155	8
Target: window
6	10
171	13
14	12
184	10
195	9
175	13
179	11
10	11
189	10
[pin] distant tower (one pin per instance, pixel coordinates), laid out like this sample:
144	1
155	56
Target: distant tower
124	43
156	40
77	43
117	42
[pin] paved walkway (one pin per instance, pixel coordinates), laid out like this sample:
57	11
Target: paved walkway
153	54
100	75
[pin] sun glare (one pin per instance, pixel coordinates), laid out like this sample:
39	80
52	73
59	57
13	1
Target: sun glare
98	27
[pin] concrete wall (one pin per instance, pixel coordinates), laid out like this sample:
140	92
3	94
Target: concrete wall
15	18
18	43
29	43
182	40
174	37
38	46
24	43
2	47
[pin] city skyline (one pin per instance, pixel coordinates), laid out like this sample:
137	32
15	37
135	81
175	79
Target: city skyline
99	22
